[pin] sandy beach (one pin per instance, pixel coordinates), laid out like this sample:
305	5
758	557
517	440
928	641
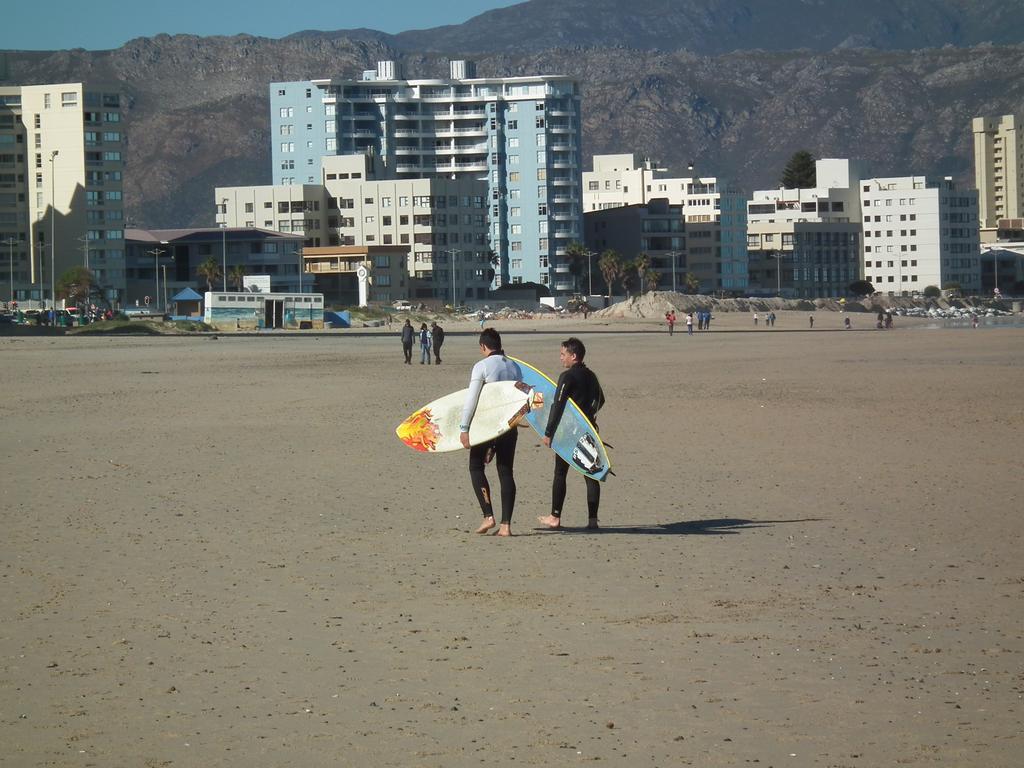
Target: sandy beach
217	553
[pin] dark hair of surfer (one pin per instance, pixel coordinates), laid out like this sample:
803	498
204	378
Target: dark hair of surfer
490	339
574	346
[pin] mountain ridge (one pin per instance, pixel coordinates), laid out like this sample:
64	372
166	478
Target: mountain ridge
197	111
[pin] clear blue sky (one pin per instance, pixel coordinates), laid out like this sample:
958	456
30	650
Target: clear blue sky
103	24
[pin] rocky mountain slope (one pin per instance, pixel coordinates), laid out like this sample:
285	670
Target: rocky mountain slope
720	26
197	111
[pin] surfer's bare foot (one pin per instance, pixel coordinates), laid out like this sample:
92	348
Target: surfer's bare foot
504	530
486	525
550	521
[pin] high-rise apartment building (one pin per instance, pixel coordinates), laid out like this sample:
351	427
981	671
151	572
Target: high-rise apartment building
520	135
919	232
713	246
999	168
61	202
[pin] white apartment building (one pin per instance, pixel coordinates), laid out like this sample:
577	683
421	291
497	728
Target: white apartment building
440	223
61	204
919	232
520	136
805	243
999	168
714	215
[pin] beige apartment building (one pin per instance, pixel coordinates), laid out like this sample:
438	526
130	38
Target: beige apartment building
713	246
439	223
998	170
805	243
61	202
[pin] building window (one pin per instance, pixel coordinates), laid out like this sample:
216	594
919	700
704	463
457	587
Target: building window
542	209
540	121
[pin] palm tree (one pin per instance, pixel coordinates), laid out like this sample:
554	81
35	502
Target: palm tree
209	270
576	257
610	265
641	264
237	276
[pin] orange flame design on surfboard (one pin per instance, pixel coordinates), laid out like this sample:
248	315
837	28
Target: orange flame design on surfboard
419	432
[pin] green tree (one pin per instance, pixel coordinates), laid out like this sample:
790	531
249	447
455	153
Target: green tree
610	266
799	172
576	258
690	283
237	276
75	285
641	264
861	288
651	278
932	292
209	270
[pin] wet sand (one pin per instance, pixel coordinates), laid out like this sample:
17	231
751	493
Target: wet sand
216	553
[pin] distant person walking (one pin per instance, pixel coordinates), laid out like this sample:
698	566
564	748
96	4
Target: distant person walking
424	344
689	324
407	336
437	332
847	325
810	319
581	384
670	319
771	318
755	319
494	367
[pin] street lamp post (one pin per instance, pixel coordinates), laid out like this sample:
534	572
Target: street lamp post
9	242
224	247
164	267
53	224
778	273
675	257
156	253
590	275
453	253
84	240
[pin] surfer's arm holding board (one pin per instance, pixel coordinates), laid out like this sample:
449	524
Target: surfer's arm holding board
476	385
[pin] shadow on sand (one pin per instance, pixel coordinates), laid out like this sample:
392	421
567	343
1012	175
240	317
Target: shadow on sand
716	527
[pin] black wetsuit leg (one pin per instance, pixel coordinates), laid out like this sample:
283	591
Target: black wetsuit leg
558	490
504	459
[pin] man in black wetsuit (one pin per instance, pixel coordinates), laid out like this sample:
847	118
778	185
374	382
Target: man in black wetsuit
581	384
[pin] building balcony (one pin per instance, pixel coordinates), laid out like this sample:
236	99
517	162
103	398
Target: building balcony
408	151
560	112
564	216
562	269
563	181
468	114
563	198
405	166
561	162
471	165
560	128
407	116
563	285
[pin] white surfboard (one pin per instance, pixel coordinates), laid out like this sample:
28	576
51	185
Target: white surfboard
434	428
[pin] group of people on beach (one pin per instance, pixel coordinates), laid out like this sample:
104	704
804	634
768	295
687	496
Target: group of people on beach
431	340
577	381
703	317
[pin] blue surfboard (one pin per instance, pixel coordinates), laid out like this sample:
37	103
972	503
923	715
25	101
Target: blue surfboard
576	440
